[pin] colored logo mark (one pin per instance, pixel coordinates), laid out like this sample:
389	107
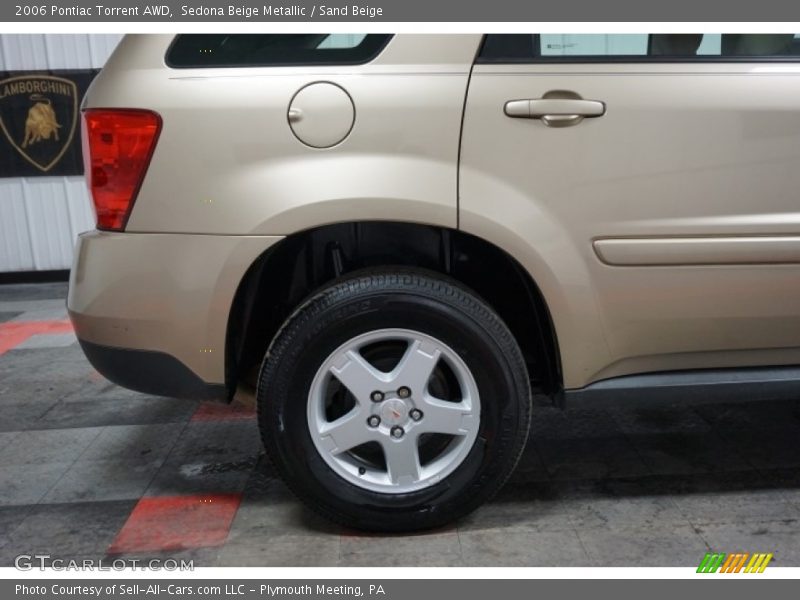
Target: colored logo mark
720	562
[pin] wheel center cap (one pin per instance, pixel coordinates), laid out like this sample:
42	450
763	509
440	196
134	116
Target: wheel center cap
394	412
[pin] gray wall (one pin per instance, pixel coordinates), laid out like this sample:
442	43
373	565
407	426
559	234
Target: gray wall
41	216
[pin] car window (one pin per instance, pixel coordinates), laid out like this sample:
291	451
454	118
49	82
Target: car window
263	50
638	47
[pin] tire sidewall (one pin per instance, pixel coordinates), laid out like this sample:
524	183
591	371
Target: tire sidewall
312	340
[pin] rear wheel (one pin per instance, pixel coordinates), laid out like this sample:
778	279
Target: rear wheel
394	401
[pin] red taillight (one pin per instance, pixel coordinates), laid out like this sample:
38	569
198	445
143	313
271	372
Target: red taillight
117	146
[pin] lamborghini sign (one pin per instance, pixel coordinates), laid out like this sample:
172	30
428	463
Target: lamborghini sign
39	119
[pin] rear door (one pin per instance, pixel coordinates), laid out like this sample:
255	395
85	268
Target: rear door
651	184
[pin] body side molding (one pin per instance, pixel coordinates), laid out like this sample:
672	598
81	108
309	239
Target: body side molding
695	386
677	251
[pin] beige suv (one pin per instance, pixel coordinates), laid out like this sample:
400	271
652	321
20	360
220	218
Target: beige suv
402	239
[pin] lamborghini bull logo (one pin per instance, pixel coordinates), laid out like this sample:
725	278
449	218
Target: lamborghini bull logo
38	115
41	122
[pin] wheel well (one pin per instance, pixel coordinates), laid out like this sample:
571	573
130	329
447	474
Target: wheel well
281	278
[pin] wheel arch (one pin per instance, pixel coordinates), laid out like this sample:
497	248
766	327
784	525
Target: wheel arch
288	272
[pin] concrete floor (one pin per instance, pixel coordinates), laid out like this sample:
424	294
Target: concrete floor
88	469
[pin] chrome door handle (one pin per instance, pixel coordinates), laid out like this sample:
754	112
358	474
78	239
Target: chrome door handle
555	112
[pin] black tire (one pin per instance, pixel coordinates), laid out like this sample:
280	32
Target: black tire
403	298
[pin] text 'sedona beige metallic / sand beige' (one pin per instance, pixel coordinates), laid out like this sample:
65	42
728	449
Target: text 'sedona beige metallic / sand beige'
400	241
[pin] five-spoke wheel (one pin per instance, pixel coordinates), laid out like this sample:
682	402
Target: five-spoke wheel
394	400
422	414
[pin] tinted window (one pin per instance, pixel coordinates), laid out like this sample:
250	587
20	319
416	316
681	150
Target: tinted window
638	47
263	50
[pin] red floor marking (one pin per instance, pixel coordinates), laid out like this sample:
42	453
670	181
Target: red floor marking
13	333
177	523
217	411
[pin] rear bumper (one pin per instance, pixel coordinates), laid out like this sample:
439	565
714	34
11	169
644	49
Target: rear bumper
150	372
151	310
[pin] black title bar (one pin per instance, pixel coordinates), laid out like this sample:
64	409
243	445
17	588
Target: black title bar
302	11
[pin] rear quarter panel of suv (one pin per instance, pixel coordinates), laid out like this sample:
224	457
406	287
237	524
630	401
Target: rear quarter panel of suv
228	179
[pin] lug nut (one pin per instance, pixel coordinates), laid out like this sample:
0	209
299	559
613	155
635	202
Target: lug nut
404	392
397	432
374	421
415	414
376	396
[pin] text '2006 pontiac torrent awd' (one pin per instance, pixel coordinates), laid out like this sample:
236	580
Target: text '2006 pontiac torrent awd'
403	239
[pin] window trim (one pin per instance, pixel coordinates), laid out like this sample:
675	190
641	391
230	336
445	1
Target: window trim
339	63
625	58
